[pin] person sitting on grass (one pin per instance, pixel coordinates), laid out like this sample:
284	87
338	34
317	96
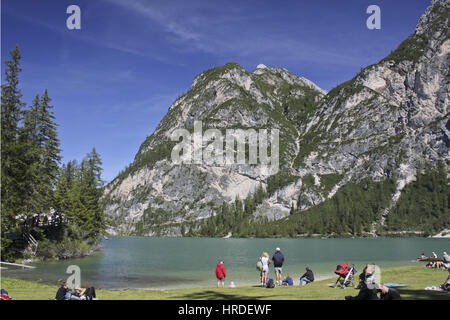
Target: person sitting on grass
307	277
288	281
220	274
62	291
367	276
365	293
387	293
433	264
446	285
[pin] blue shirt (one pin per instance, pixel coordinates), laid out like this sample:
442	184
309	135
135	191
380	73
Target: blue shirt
289	281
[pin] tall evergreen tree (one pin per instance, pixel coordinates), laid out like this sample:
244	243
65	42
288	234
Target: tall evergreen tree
66	179
11	164
50	152
90	186
30	153
39	149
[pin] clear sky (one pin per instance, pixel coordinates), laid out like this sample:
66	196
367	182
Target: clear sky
113	80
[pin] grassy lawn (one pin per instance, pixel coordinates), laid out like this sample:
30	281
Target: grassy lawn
417	278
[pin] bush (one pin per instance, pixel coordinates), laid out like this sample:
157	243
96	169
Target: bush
62	250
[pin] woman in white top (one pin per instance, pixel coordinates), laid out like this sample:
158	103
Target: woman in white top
265	268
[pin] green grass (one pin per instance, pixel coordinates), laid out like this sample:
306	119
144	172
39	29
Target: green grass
417	278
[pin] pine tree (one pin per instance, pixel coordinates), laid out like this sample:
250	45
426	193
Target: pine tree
38	145
50	152
91	185
11	162
31	155
77	197
64	187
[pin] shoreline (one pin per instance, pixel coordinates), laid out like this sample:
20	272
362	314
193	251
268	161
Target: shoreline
210	283
386	235
416	277
159	288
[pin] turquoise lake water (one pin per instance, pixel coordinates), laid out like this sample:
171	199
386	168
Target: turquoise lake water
163	263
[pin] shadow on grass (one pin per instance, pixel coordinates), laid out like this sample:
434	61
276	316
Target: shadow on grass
408	294
215	295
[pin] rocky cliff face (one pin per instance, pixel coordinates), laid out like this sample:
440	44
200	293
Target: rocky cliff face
223	98
388	121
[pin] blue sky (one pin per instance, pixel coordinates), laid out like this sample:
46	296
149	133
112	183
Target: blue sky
113	81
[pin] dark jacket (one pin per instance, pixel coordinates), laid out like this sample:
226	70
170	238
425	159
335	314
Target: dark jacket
391	295
278	259
364	294
61	293
309	275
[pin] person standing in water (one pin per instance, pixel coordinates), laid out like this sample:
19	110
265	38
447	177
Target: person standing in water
220	274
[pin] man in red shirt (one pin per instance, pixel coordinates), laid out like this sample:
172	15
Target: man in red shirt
220	274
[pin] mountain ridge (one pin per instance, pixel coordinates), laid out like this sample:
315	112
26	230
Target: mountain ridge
387	122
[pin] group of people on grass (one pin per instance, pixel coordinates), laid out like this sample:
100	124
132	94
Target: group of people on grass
263	266
278	260
444	264
65	293
369	289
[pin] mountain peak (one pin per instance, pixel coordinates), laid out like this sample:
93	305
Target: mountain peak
216	71
261	66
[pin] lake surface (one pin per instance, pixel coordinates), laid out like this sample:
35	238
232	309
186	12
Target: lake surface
162	263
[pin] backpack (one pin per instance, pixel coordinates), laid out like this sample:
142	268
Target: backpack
270	284
259	265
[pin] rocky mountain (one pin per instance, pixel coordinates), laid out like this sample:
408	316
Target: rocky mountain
388	122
